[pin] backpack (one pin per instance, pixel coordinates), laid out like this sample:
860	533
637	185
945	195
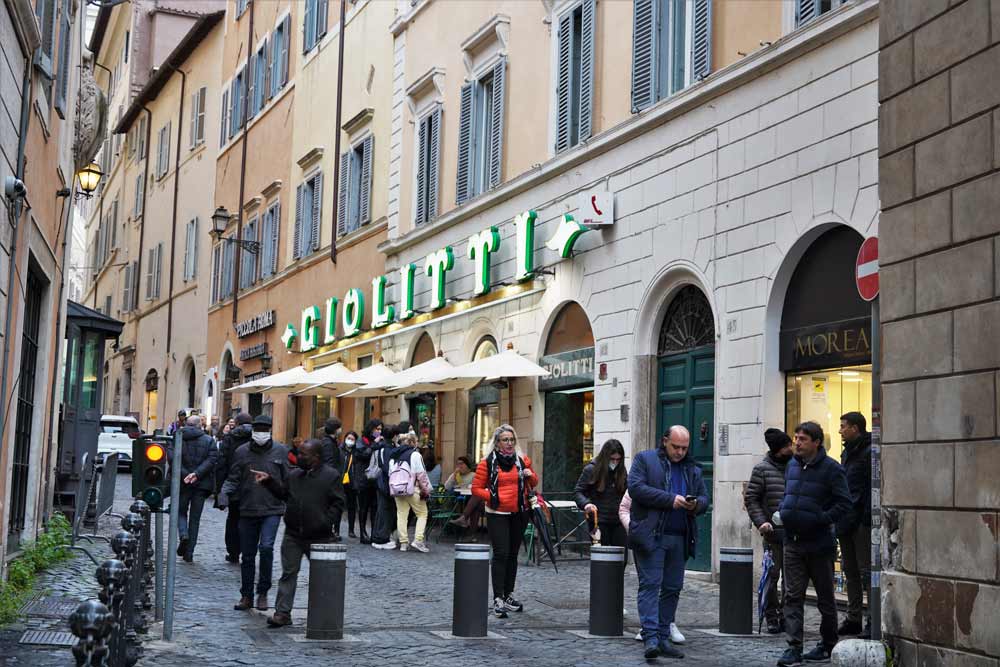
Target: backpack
401	479
374	470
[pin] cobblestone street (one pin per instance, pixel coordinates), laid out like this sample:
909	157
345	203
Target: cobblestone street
389	620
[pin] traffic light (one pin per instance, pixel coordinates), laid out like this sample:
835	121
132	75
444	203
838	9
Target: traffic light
150	470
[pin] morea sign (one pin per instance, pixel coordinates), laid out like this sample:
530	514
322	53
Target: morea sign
846	343
319	327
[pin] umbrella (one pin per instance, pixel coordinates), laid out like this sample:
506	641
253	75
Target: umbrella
330	381
542	528
762	588
283	382
507	364
431	375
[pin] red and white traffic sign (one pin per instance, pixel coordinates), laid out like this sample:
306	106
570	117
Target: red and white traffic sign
866	269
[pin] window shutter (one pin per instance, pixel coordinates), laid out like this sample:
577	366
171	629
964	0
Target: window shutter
150	272
114	224
159	270
265	243
297	234
805	11
126	289
187	250
701	46
564	83
587	69
202	102
252	87
234	108
216	257
420	215
223	133
643	54
464	144
264	67
286	42
321	11
496	131
46	9
342	194
433	164
193	130
308	26
273	239
229	270
365	207
317	209
65	38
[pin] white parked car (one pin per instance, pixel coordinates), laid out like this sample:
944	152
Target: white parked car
115	436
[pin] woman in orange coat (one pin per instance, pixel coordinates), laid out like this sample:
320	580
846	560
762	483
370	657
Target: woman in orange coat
503	480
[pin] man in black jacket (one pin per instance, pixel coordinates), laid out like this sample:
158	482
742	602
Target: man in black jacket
315	496
854	530
199	458
260	510
333	456
240	434
816	497
762	497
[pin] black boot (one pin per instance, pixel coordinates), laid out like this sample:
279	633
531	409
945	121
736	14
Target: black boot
365	539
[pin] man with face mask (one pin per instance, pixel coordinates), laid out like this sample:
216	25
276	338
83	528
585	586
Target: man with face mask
260	510
762	497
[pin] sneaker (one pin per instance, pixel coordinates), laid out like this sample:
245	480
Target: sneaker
421	547
821	653
403	546
675	635
652	649
668	651
849	627
387	546
790	658
499	608
512	604
638	636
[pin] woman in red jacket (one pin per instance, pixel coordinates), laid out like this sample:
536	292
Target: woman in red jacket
503	480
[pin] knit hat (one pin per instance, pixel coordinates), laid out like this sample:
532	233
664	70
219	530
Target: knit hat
776	439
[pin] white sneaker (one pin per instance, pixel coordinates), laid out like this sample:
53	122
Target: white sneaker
403	546
638	637
421	547
675	635
386	546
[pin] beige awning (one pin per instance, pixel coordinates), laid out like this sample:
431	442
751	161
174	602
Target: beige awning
284	382
337	379
434	375
507	364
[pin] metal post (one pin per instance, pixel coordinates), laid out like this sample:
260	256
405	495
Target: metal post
471	597
158	567
175	492
327	579
736	590
92	622
607	591
875	593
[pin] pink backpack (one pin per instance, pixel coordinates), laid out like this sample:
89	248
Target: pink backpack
401	479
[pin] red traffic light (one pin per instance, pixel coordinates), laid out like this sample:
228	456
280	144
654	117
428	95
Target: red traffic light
154	453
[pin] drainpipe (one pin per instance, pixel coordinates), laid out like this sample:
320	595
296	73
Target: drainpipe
18	205
243	169
173	220
336	141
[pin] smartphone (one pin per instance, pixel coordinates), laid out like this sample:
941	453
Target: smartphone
690	499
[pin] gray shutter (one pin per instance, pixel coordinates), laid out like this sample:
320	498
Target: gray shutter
342	194
62	83
365	206
564	82
317	211
420	215
187	250
308	26
286	43
587	69
297	234
126	289
159	270
273	240
643	54
216	269
251	82
496	131
701	46
321	10
135	285
274	65
114	224
223	133
234	107
193	130
264	64
433	161
46	9
805	11
150	272
464	144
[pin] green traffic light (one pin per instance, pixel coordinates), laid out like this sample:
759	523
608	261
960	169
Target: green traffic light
153	497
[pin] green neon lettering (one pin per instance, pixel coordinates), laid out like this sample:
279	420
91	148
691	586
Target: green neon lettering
481	248
406	273
331	321
567	233
437	266
310	329
382	314
524	225
290	336
354	312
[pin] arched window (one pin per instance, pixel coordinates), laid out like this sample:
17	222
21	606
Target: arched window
570	330
688	323
190	387
486	347
424	351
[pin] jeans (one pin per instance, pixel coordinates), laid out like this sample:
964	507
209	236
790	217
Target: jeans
257	533
385	521
403	506
800	568
661	578
233	531
772	603
856	558
192	502
352	508
292	551
506	532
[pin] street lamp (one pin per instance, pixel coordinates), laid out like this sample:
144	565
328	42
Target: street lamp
220	220
265	363
89	178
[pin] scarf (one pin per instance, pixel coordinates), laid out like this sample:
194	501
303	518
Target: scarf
496	462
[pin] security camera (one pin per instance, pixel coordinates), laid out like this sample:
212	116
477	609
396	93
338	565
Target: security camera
14	188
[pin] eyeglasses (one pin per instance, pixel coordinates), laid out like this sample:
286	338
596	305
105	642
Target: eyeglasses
507	440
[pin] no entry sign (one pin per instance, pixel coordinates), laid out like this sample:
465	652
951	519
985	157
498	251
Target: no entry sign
866	269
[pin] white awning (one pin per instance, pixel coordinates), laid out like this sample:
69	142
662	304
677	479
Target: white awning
507	364
434	375
337	379
284	382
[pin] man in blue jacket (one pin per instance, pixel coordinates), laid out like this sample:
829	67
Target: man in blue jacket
816	498
667	492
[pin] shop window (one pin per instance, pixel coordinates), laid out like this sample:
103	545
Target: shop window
822	396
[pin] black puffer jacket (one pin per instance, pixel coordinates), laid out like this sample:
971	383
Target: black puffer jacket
857	461
254	500
816	497
764	492
236	438
606	501
332	453
315	499
200	456
359	457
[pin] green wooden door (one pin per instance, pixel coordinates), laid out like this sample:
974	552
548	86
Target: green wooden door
686	387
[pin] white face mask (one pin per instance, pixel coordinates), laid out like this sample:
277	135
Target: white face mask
349	442
261	437
612	465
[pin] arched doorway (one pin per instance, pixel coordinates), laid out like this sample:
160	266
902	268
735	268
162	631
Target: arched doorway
484	405
686	390
150	400
423	407
190	391
569	398
230	376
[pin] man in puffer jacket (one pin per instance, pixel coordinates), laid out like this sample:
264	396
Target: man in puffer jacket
816	497
762	497
854	530
199	458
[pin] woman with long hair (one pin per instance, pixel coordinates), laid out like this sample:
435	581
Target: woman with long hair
599	491
504	480
371	436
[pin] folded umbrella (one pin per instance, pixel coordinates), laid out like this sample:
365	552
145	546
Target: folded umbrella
762	588
542	528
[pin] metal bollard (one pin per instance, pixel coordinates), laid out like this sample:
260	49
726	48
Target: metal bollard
92	623
607	591
736	590
470	606
327	579
112	575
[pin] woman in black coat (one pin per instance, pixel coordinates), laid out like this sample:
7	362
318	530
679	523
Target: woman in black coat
600	489
364	489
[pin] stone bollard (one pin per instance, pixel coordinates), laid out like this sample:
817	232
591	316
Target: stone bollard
92	623
859	653
471	592
327	581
